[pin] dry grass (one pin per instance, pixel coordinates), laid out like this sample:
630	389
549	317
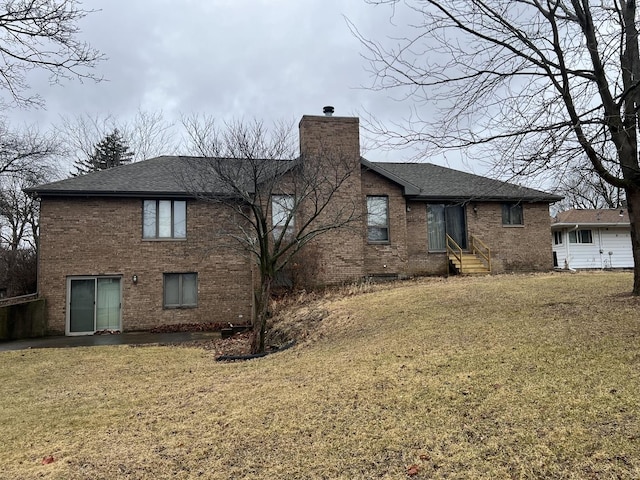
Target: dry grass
500	377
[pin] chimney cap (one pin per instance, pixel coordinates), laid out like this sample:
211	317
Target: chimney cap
328	110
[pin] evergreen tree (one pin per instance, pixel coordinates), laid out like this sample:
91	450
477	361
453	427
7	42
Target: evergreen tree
108	153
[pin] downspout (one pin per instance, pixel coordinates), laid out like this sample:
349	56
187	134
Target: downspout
566	259
600	248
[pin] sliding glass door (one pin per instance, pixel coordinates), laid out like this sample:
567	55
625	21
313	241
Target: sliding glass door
94	304
445	219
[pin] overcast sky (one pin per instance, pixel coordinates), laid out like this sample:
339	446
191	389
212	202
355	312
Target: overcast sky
264	59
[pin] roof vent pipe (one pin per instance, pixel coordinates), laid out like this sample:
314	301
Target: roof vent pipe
328	111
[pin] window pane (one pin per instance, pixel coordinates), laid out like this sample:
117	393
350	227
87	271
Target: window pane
189	289
585	236
512	214
516	215
149	219
455	226
164	218
171	289
377	214
557	238
179	219
572	237
436	227
282	207
378	219
378	234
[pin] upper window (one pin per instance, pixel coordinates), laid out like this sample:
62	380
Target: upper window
378	219
282	207
512	214
580	236
164	219
557	237
180	290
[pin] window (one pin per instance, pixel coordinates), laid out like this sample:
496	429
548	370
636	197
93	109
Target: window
282	214
557	237
180	290
378	219
512	214
164	219
580	236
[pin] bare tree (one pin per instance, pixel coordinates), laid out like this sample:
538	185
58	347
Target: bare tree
148	134
586	189
537	85
19	228
24	152
18	214
279	204
42	34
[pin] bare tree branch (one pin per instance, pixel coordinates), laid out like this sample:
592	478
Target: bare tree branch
277	204
42	34
535	87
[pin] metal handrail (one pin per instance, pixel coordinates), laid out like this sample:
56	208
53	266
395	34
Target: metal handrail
454	249
486	254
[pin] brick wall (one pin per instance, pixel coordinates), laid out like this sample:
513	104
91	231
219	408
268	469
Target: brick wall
421	261
514	248
335	256
103	236
389	258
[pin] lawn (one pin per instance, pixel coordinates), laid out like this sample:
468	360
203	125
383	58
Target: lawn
493	377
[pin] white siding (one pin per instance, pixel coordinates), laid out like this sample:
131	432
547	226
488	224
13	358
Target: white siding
605	240
618	242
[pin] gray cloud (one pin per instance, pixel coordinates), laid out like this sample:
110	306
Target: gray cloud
268	59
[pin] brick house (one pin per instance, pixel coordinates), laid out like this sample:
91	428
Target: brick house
130	248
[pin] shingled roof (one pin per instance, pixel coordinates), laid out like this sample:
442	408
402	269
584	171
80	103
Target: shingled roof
592	217
177	176
167	176
433	182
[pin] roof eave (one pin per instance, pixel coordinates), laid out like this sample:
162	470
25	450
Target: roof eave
588	224
408	188
113	194
472	198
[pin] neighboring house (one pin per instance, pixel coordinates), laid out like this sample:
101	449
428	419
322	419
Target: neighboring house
130	248
592	238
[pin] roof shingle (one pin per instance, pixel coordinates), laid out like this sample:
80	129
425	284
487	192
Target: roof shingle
181	175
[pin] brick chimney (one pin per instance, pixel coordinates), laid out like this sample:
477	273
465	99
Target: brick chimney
322	135
338	255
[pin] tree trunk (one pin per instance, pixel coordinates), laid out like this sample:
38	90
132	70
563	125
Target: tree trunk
633	204
262	314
